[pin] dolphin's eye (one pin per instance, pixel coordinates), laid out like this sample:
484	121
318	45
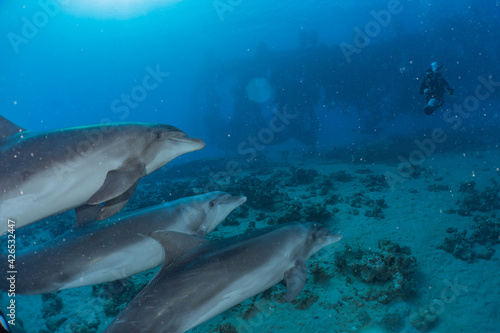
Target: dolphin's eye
212	203
157	135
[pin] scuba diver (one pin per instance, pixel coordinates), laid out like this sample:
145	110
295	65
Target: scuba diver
434	86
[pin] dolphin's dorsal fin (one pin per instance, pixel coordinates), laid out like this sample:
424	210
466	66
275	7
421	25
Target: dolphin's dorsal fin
295	279
176	244
86	214
8	128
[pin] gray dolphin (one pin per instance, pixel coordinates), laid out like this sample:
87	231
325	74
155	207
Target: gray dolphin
46	173
121	246
217	275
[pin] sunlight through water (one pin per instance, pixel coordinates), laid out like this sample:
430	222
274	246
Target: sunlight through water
115	9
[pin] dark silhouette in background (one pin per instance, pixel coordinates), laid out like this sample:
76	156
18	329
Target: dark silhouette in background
237	96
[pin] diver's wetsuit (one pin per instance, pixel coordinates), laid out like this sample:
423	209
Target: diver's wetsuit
437	86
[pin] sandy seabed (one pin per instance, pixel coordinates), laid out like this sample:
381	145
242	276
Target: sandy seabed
451	294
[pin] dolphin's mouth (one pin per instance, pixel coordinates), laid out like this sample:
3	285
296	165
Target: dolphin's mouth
327	236
230	199
187	139
195	143
337	236
334	237
240	199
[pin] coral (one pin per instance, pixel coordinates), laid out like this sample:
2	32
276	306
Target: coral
261	216
226	328
458	244
51	227
265	201
375	212
320	271
357	200
363	171
467	187
261	193
360	199
333	199
424	319
353	211
52	305
302	176
391	321
53	323
305	300
80	325
363	317
486	231
111	308
352	314
252	309
473	200
289	212
117	294
375	183
416	171
231	221
381	203
316	212
174	190
389	267
325	186
234	218
342	176
80	329
438	188
152	193
485	234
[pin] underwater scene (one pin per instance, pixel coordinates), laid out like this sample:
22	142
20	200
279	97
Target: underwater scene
249	166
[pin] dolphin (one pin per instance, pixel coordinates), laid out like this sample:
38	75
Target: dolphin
103	251
46	173
216	275
4	326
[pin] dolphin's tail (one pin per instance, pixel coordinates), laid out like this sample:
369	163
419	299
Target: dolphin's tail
8	128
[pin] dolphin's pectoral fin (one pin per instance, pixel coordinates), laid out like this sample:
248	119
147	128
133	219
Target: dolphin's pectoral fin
176	244
85	214
8	128
117	182
295	279
113	206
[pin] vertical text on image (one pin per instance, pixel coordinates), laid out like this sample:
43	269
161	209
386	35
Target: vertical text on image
11	272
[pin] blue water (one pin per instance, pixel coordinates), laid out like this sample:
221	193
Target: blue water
70	70
224	67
